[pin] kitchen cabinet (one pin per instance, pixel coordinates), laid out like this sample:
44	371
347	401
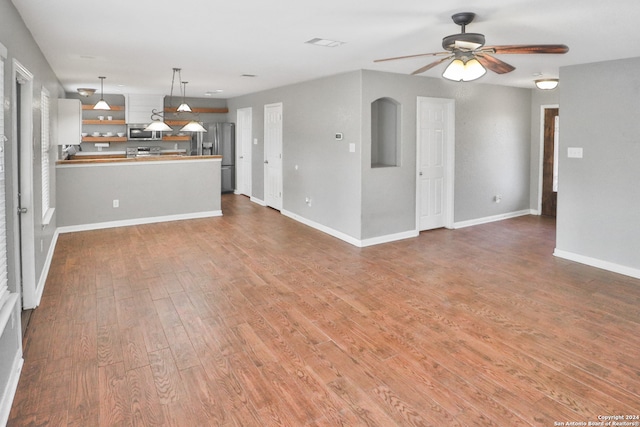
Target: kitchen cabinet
69	121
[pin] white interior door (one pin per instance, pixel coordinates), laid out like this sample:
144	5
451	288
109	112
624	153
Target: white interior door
23	176
273	155
243	151
435	147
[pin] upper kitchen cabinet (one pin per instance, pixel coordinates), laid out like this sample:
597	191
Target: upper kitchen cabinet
69	121
139	107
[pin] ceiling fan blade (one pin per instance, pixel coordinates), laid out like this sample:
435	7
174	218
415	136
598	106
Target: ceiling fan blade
430	66
527	48
413	56
494	64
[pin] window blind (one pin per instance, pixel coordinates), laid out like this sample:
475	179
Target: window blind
4	289
46	143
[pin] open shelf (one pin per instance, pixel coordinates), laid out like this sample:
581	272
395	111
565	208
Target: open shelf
113	108
104	139
103	122
176	138
201	110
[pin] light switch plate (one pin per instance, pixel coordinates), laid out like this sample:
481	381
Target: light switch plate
352	147
574	152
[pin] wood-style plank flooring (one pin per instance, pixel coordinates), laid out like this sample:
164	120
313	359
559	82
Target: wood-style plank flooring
253	319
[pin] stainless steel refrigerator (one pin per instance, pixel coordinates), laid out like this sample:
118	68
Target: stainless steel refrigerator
219	139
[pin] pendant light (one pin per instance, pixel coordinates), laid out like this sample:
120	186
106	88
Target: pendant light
184	108
157	122
102	104
193	126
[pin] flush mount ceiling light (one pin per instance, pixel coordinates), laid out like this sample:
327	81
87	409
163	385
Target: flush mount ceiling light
547	84
464	69
324	42
85	91
102	104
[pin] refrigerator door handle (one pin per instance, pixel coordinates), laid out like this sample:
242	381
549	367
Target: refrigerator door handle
216	139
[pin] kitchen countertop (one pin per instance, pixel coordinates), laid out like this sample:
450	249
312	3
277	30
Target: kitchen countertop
123	159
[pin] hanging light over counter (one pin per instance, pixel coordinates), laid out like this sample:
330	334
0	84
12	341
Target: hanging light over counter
102	104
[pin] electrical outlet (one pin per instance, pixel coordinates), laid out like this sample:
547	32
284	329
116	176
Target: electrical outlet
116	203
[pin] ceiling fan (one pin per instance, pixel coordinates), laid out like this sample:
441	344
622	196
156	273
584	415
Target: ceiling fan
471	57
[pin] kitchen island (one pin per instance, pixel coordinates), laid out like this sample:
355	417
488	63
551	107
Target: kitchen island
93	193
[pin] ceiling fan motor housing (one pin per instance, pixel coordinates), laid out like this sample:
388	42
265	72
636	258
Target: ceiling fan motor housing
475	39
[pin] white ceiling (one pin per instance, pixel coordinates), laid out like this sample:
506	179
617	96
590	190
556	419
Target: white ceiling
136	43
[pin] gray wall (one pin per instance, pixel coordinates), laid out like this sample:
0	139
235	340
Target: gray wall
493	153
21	46
492	132
327	172
599	195
143	189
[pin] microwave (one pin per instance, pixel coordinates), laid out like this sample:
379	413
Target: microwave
137	133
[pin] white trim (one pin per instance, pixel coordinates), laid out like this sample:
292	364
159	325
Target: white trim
138	221
598	263
347	238
24	228
48	215
541	155
389	238
258	201
45	269
4	53
493	218
9	392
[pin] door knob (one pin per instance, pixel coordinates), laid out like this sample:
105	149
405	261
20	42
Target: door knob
420	173
22	210
266	162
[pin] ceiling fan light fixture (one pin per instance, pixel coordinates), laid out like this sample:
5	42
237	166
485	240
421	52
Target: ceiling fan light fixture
460	71
547	84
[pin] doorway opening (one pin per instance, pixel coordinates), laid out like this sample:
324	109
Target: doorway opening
244	130
24	250
550	122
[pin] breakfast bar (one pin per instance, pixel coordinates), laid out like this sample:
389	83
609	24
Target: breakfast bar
108	192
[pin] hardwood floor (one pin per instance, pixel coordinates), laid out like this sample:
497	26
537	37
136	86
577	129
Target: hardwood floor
252	319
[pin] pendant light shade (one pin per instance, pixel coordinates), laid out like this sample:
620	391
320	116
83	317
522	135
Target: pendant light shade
464	71
102	104
193	126
157	123
184	107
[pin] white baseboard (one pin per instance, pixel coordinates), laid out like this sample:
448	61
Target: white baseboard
389	238
598	263
258	201
347	238
138	221
493	218
45	269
